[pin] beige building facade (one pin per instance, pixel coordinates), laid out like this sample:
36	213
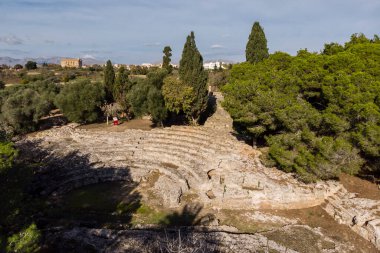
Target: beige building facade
71	63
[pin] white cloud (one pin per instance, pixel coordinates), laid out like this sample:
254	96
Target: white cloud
154	44
216	46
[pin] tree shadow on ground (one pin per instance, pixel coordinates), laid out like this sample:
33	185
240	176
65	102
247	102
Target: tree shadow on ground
242	134
210	109
189	216
68	190
181	235
185	241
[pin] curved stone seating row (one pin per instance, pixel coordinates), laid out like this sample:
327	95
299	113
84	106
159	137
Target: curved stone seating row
188	158
62	183
204	147
182	138
194	135
185	168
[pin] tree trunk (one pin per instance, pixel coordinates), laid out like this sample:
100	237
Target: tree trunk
194	121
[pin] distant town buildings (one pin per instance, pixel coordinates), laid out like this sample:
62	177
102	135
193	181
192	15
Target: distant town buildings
214	65
147	65
71	63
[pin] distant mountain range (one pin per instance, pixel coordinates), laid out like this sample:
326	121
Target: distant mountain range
56	60
220	60
40	60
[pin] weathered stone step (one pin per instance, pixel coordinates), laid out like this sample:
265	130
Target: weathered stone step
172	155
176	148
190	144
195	134
187	170
151	166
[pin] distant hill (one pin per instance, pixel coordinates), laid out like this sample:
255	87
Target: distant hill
40	60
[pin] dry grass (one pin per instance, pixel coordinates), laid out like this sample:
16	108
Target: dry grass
363	188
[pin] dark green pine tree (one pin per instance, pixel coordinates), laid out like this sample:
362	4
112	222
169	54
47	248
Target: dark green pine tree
256	49
166	59
109	81
192	73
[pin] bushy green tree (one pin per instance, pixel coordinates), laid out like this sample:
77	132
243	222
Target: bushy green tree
256	49
192	73
80	101
7	155
31	65
146	97
138	99
156	78
156	106
357	38
22	106
318	113
18	66
26	240
178	96
332	48
2	85
166	59
109	81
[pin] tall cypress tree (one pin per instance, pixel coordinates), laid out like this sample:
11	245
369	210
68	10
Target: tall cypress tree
192	73
121	86
166	59
256	49
109	81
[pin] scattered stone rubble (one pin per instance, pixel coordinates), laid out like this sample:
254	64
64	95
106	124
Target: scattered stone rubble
205	161
183	240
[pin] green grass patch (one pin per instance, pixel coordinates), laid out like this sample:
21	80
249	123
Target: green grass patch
148	215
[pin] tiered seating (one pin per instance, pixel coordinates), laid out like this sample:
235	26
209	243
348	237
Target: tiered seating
184	156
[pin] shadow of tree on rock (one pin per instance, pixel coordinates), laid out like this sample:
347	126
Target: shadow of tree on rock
73	191
181	235
189	216
210	109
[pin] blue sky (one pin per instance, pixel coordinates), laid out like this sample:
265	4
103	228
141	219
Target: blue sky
128	31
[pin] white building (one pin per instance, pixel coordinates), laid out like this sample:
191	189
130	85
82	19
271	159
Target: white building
214	65
148	65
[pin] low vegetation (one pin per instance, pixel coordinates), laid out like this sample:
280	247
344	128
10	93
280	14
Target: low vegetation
80	101
22	106
18	232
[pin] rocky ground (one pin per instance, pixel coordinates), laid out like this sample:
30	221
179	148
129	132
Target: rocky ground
171	168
